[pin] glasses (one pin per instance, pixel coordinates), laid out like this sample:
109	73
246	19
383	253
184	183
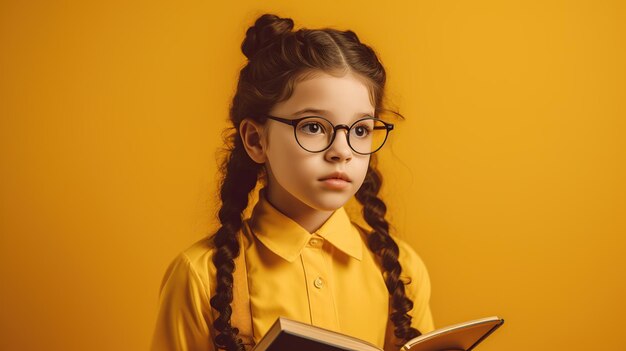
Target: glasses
316	134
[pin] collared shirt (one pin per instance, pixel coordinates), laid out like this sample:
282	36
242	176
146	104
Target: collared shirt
328	278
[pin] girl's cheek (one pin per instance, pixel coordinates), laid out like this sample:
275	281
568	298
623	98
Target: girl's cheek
284	145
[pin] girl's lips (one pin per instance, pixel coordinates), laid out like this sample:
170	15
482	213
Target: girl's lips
337	175
335	183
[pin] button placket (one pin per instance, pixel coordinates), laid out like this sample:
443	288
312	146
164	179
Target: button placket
316	271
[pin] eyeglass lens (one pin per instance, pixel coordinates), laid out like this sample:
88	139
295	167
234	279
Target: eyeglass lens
365	136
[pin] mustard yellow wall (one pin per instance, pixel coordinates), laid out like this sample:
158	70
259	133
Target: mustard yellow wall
508	175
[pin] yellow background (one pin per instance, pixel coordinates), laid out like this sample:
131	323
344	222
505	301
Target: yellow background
508	175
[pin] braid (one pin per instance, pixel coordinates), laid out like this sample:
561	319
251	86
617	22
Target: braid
383	245
240	178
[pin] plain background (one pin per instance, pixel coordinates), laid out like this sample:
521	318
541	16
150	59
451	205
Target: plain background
507	176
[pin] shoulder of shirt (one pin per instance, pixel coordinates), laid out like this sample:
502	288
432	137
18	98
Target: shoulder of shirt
412	264
200	250
194	265
199	255
413	267
196	260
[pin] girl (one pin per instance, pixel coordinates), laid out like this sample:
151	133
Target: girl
306	124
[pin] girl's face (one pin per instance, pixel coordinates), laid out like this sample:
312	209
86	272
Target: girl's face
299	180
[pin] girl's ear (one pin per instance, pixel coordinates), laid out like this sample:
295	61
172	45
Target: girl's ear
252	136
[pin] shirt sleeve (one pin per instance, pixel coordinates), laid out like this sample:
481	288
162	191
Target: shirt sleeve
418	288
184	314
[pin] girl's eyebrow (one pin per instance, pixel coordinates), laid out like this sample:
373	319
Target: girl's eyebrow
325	112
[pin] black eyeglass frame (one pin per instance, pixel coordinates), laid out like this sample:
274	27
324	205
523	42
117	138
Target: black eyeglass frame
294	123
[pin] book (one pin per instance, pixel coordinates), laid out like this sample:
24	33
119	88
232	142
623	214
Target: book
286	334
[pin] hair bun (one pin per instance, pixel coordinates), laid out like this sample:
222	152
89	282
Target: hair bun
266	29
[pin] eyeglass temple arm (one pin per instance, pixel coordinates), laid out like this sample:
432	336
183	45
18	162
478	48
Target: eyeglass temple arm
292	122
386	126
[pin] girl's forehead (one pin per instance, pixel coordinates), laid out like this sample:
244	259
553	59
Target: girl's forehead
327	95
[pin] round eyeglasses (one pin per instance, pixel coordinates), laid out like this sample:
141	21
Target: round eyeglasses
316	134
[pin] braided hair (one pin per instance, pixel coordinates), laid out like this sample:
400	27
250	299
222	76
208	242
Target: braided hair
278	58
386	249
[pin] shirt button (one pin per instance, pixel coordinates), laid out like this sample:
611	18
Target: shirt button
318	282
314	242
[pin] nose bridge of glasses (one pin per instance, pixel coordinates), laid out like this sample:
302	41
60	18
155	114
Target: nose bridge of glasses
342	126
337	128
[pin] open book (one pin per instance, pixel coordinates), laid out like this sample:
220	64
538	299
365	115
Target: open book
286	334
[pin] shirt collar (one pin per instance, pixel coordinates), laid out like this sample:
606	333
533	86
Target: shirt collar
287	238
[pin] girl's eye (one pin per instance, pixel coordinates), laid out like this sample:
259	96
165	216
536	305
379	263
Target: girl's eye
361	131
312	128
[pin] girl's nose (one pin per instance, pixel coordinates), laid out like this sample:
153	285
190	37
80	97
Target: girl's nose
339	150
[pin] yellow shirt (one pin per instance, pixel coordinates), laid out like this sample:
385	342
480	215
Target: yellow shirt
328	278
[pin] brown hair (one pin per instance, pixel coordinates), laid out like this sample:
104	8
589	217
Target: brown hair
277	59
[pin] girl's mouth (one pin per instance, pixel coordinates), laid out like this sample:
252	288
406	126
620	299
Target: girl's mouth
335	183
337	176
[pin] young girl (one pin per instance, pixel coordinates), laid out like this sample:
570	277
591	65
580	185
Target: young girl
306	118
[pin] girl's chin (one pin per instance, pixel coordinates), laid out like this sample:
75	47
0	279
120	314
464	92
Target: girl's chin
330	202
